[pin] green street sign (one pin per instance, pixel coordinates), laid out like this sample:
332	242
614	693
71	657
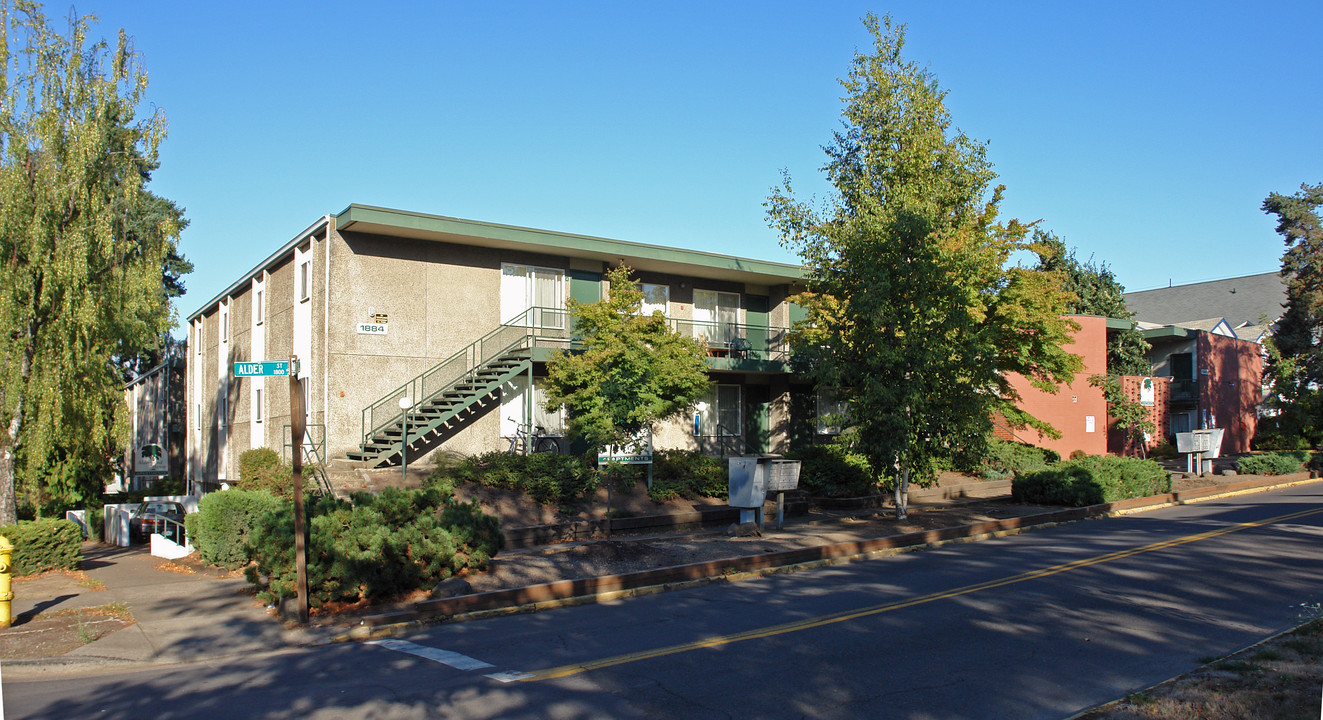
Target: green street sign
262	369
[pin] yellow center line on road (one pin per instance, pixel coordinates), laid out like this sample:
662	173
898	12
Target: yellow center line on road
809	623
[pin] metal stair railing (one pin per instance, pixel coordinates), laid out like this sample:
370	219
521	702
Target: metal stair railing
724	435
313	453
519	333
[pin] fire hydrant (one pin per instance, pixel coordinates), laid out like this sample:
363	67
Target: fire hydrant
6	589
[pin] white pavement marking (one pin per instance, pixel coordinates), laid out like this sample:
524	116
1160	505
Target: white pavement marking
505	677
445	657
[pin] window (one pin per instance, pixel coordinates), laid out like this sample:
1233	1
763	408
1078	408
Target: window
831	412
225	321
197	335
718	412
305	280
716	316
257	308
524	287
257	404
222	416
1182	366
656	298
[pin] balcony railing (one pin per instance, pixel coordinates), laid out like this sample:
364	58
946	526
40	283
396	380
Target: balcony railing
738	341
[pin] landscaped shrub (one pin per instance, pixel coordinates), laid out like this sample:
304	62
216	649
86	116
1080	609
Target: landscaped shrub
221	528
263	469
1012	459
1091	480
374	547
548	478
1275	463
834	470
41	545
687	474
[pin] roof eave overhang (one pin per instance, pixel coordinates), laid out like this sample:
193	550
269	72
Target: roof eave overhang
648	258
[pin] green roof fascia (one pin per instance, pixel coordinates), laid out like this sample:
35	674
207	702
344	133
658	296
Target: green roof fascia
1170	331
1119	323
748	365
387	221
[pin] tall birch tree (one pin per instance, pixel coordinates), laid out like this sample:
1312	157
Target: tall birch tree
85	250
917	315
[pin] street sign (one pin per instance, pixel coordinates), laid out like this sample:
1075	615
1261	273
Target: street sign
262	369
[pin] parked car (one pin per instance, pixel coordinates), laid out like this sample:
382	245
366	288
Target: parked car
151	516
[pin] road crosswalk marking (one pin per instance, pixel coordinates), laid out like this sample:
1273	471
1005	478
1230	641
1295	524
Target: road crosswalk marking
445	657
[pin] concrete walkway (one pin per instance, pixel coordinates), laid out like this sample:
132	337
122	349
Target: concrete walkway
180	617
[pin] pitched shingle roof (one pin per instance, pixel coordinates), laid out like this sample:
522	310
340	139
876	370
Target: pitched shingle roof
1240	300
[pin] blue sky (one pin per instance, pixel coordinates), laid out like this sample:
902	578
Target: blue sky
1145	134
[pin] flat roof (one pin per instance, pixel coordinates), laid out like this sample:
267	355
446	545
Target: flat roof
651	258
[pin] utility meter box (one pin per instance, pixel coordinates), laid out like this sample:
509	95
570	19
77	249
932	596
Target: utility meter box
748	482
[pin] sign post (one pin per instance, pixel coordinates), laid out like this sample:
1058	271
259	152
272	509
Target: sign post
298	421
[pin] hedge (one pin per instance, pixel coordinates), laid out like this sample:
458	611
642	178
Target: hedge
1274	463
374	547
834	470
41	545
221	527
1012	459
548	478
1091	480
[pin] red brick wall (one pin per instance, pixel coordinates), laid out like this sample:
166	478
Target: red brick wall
1067	409
1230	373
1119	441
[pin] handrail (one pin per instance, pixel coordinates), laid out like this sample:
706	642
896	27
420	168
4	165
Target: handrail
178	530
313	450
723	433
739	340
521	331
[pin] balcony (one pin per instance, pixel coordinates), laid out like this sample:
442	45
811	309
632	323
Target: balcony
739	346
1184	392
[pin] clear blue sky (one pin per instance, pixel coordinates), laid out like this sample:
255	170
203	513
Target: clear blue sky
1145	134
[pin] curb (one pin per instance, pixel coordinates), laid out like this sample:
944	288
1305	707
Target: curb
585	591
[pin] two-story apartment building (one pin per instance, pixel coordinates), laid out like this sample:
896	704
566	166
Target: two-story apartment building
460	317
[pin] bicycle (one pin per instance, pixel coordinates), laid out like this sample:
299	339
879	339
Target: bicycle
541	440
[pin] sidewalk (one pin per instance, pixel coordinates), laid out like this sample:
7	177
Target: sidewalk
179	617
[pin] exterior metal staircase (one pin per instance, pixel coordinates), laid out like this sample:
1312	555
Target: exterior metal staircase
449	396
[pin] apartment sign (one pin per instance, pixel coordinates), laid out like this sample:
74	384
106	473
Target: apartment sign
368	328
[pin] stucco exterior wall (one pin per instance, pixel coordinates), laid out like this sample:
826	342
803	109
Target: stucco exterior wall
1070	409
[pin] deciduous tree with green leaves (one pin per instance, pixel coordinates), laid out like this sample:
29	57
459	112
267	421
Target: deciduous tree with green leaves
629	372
917	315
1295	352
1096	291
86	252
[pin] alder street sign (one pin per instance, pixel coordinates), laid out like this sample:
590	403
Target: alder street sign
262	369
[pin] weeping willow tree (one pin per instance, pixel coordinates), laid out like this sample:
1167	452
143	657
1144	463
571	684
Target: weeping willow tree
918	315
86	251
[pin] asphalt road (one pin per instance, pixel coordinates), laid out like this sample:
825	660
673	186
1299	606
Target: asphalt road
1039	625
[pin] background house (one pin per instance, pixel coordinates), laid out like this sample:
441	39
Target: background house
157	417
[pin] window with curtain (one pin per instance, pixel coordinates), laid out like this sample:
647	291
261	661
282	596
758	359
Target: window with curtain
656	298
527	286
719	412
716	316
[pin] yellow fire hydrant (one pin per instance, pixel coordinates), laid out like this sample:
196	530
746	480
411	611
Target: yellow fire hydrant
6	589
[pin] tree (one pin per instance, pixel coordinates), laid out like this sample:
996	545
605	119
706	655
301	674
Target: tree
1131	415
1295	357
916	314
1096	291
88	252
631	371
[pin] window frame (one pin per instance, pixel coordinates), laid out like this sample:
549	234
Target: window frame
714	394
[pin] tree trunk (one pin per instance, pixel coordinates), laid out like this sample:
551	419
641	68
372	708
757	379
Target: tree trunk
903	493
8	505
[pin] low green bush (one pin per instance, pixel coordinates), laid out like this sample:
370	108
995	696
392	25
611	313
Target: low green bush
835	470
686	474
548	478
46	544
263	469
224	522
1091	480
1011	459
373	547
1273	463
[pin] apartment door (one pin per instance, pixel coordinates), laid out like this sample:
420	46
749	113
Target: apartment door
532	296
